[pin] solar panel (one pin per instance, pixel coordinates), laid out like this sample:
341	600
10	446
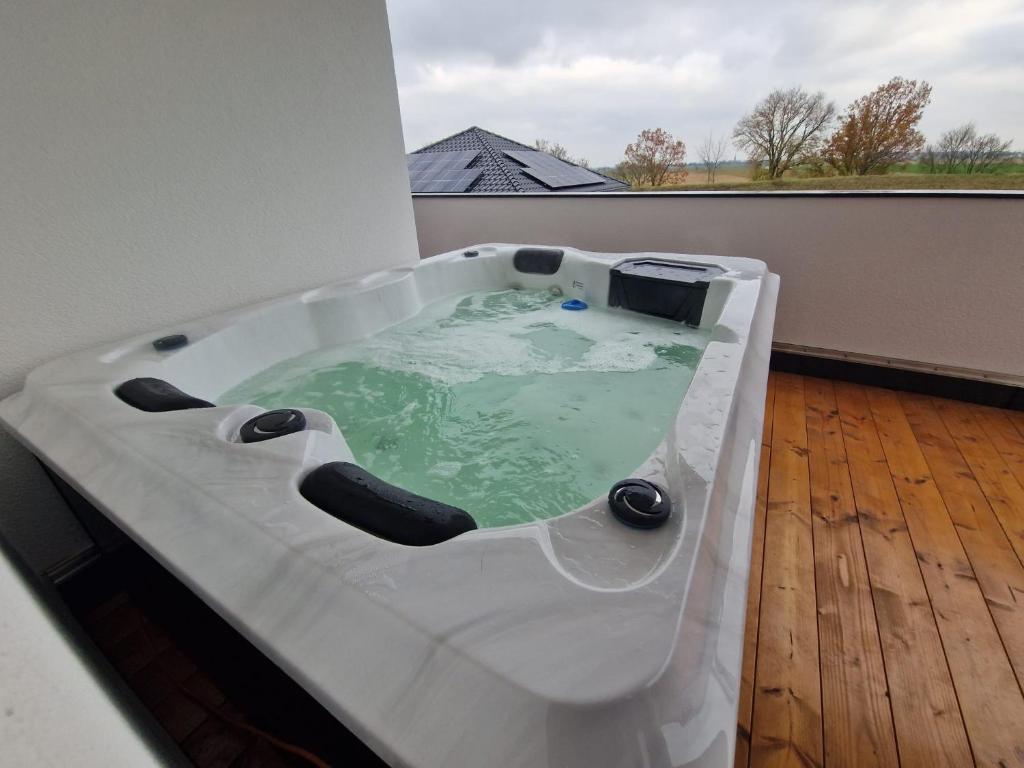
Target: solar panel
552	172
452	181
442	171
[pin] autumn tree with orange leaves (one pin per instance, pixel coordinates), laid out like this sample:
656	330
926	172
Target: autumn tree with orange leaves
879	129
652	155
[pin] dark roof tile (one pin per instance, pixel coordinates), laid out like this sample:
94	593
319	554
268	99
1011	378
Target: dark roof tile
501	173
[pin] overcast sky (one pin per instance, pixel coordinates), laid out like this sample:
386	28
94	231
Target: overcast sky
591	74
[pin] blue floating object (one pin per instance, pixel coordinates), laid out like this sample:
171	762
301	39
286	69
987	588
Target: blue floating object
574	305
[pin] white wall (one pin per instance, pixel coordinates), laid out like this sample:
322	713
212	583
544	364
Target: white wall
165	160
936	280
55	712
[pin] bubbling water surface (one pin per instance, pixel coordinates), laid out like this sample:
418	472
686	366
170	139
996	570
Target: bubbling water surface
501	403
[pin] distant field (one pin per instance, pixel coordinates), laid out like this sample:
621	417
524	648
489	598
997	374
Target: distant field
731	176
732	182
1004	169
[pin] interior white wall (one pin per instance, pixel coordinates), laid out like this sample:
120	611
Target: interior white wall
936	280
166	160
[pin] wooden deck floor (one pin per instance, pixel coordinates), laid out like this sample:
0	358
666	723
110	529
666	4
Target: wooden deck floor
885	623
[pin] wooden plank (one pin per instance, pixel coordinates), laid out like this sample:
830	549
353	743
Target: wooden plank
746	707
1000	574
1017	417
929	729
747	673
858	726
1004	435
990	701
1004	493
787	696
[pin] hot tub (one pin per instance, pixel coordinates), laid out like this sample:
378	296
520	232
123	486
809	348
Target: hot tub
582	630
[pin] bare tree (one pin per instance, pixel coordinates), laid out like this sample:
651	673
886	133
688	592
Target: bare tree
653	154
929	159
879	129
986	153
631	173
785	129
711	153
555	149
964	150
953	147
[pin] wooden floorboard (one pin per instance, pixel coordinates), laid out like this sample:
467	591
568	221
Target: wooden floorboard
993	710
886	608
858	726
1001	429
929	728
999	572
1002	489
786	727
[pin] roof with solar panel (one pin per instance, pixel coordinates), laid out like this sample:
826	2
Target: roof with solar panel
478	161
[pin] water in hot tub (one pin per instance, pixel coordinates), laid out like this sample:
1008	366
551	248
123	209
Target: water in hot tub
501	403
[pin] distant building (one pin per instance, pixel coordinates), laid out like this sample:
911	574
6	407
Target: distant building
477	161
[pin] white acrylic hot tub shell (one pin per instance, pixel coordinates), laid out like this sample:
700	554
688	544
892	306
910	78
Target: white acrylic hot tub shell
570	642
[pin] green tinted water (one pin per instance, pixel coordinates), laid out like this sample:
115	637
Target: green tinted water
501	403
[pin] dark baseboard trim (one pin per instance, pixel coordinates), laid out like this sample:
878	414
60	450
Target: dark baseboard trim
953	388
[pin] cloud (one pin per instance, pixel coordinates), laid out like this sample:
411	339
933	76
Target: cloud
591	74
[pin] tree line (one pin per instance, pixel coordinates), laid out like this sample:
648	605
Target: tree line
792	127
877	131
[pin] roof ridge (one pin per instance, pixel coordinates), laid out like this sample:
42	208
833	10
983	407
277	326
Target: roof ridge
496	156
504	138
536	149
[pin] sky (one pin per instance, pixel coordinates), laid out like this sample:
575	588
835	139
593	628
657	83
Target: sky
591	74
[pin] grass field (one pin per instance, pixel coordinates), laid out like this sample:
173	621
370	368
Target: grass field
1004	169
738	175
735	176
695	182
